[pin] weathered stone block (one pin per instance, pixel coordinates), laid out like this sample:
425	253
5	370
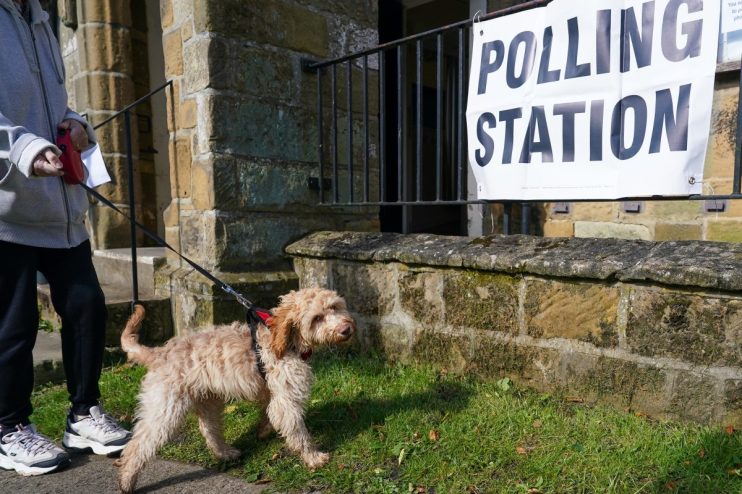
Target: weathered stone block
237	125
733	402
579	311
275	22
450	351
724	231
481	301
173	49
106	48
420	294
104	91
166	14
559	229
527	365
680	325
675	231
594	211
722	138
368	289
694	397
598	229
106	11
674	211
313	272
622	383
187	114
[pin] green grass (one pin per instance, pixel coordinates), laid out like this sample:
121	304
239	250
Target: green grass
393	428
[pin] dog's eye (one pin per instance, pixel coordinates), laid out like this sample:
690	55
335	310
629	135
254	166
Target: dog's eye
318	319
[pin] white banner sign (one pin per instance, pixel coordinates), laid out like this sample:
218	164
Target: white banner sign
593	100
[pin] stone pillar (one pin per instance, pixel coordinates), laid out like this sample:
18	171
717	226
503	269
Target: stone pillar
105	53
244	138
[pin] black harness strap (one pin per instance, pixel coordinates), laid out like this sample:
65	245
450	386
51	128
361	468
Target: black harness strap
255	316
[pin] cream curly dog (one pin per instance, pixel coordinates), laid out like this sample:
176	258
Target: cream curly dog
201	371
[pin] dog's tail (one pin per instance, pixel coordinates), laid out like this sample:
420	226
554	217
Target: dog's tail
130	338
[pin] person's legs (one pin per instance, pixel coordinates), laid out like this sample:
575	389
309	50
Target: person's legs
21	447
78	299
19	322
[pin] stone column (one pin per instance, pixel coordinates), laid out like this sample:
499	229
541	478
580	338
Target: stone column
102	73
244	139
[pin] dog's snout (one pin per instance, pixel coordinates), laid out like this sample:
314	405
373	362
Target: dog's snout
347	331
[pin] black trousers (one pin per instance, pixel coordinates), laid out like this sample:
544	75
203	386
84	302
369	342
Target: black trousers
77	298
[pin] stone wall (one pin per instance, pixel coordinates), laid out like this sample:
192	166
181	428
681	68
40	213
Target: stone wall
650	327
105	54
244	133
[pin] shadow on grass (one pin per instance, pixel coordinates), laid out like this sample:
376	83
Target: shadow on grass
711	464
338	420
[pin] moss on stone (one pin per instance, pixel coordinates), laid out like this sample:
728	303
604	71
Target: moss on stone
481	300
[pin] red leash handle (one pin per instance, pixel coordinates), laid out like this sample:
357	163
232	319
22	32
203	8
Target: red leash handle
70	158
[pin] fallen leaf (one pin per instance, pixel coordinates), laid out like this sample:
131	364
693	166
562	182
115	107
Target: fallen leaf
341	466
701	453
521	450
574	399
671	486
641	414
434	435
735	472
537	424
230	408
729	430
275	456
263	481
534	490
472	489
401	456
416	436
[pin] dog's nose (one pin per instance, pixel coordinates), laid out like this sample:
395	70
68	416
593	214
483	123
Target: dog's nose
347	331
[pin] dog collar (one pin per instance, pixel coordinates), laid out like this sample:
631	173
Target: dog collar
255	316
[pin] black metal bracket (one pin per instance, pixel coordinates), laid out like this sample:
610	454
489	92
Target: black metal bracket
308	65
561	208
715	206
633	207
313	183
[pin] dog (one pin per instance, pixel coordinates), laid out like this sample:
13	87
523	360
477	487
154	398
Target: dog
203	370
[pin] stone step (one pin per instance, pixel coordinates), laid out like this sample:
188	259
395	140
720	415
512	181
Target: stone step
114	267
156	328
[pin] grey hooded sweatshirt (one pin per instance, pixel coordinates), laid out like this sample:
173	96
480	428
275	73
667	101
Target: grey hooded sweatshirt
35	211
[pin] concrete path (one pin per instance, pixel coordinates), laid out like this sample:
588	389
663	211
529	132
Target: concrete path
92	474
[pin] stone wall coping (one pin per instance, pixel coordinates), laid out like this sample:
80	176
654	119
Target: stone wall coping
699	264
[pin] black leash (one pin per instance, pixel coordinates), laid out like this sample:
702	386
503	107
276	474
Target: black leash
226	288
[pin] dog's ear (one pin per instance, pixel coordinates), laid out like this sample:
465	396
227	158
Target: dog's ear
282	329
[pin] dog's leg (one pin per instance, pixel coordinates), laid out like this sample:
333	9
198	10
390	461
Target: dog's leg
287	416
158	418
211	424
265	428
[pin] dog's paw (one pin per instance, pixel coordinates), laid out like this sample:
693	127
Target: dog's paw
315	459
229	454
265	430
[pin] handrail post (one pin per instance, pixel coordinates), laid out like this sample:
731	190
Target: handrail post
132	209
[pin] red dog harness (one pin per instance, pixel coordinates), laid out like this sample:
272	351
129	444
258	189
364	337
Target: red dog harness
257	315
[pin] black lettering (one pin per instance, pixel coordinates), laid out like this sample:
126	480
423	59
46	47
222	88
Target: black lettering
642	44
528	39
596	130
674	120
489	66
568	112
483	158
544	74
574	69
692	30
618	123
603	42
508	117
538	125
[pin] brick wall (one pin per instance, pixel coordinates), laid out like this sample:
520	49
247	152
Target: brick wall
648	327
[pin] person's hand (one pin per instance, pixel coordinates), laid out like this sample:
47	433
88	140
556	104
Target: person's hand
47	164
77	133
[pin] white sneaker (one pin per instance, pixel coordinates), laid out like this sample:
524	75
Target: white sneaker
30	453
96	431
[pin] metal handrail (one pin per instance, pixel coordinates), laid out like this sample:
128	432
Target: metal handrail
126	112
